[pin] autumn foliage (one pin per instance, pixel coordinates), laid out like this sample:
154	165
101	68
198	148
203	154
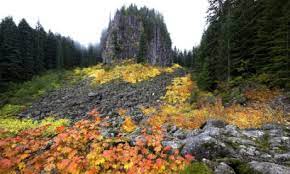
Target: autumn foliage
52	146
177	110
127	70
82	149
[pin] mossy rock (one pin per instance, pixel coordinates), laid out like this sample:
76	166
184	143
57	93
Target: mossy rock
240	167
246	169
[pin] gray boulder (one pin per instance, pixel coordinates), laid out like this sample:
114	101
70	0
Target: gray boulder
214	123
207	144
269	168
282	102
223	168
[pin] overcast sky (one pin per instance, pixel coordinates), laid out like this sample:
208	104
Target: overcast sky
84	20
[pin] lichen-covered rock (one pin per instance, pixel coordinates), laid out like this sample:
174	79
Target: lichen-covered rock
216	140
223	168
173	144
282	102
269	168
214	123
282	157
137	33
207	144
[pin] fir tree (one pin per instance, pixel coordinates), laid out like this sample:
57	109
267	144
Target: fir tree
25	37
10	62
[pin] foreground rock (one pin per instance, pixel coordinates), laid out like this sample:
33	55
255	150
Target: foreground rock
282	102
269	168
265	150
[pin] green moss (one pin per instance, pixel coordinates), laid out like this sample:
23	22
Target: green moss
246	169
208	145
263	143
196	168
233	144
282	149
239	166
11	126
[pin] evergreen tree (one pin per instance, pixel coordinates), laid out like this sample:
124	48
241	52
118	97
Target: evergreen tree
39	43
246	38
50	50
10	62
2	82
25	52
142	48
59	55
25	37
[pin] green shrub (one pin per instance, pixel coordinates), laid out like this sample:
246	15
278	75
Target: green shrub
204	79
197	168
236	81
233	95
10	110
193	97
20	95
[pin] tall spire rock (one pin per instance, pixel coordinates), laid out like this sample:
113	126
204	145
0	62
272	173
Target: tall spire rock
137	33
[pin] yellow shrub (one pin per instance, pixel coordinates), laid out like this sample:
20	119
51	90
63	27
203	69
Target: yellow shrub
177	110
12	126
126	70
179	91
261	95
128	125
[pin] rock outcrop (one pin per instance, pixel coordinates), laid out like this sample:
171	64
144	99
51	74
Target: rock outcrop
137	33
229	149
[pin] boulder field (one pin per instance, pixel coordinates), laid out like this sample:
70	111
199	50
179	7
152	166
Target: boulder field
224	148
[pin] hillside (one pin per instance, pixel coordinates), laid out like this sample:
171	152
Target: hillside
133	104
131	117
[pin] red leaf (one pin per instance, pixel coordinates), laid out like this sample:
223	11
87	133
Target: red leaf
5	163
92	171
60	129
151	156
167	148
107	153
189	157
2	143
63	164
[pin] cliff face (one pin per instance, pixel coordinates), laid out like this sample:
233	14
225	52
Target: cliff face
139	34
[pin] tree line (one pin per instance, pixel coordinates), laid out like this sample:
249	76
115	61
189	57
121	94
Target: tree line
185	58
27	51
245	39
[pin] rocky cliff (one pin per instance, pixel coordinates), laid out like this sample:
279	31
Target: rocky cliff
137	33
